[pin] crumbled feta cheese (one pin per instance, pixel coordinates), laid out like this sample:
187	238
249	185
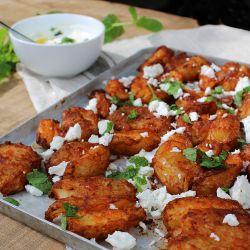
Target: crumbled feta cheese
47	154
225	106
102	126
137	102
105	139
148	155
224	115
194	116
121	240
175	150
112	109
159	232
209	153
159	108
166	137
164	87
57	142
246	124
174	125
215	237
56	178
207	91
144	134
215	67
73	133
242	83
126	81
179	176
235	152
193	86
231	220
143	226
153	82
112	206
212	117
112	166
202	99
92	105
152	71
93	139
186	95
179	93
222	194
240	191
207	71
58	169
146	171
33	190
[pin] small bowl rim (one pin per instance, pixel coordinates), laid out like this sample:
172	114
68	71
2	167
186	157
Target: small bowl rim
13	36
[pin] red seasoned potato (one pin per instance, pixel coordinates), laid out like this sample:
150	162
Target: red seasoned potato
116	88
173	75
131	142
103	103
144	121
173	169
98	187
87	120
47	129
97	220
84	159
16	160
206	82
176	61
209	180
244	109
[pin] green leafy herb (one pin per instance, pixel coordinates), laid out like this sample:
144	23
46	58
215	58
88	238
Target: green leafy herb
139	182
174	87
149	24
139	161
174	107
154	96
214	161
218	90
70	210
12	201
39	180
239	96
115	100
132	115
190	153
129	173
131	98
225	189
63	222
109	128
133	13
186	118
210	99
67	40
224	106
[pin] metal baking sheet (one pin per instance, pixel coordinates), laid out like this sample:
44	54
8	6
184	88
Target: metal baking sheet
31	211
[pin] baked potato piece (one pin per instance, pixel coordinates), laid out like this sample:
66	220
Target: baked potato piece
16	160
145	120
131	142
97	186
116	88
177	60
162	55
209	180
87	120
173	75
175	210
103	102
172	168
47	129
97	220
244	109
141	90
245	153
84	159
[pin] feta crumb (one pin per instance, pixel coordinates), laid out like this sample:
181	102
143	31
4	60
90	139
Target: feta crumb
112	109
212	117
202	99
166	137
126	81
194	116
93	139
58	169
33	190
137	102
153	82
121	240
47	154
179	176
112	206
56	178
105	139
240	191
146	171
152	71
231	220
73	133
242	83
159	232
207	71
102	126
225	115
235	152
159	108
175	150
209	153
57	142
164	87
186	95
143	226
222	194
215	237
144	134
179	93
207	91
215	67
246	124
112	166
174	125
148	155
92	105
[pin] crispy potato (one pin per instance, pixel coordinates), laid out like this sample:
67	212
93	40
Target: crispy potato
145	120
85	159
97	220
244	109
131	142
245	153
141	90
16	160
173	75
175	210
173	169
103	102
162	55
98	187
209	180
116	88
47	129
176	61
87	120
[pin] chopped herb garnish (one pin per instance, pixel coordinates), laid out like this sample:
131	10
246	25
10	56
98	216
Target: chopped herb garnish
63	222
129	173
139	161
139	182
109	128
174	86
132	115
239	96
186	118
218	90
70	210
190	153
67	40
154	96
39	180
209	99
115	100
225	189
230	110
131	99
12	201
174	107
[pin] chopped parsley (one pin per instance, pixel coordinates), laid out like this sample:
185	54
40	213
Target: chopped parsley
174	86
190	153
132	115
225	189
115	100
209	98
230	110
63	222
139	161
109	128
131	98
154	96
186	118
239	96
67	40
217	90
139	182
12	201
70	210
175	108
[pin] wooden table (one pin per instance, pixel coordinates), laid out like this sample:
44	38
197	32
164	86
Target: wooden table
16	106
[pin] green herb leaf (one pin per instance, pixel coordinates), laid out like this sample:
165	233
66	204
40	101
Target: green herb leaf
109	128
133	13
174	107
210	99
214	161
39	180
218	90
186	118
70	210
12	201
149	24
139	182
139	161
54	12
129	173
238	97
113	28
132	115
115	100
174	87
190	153
63	222
225	189
131	98
67	40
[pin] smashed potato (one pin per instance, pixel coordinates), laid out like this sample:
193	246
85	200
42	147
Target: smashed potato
244	109
116	88
16	160
84	159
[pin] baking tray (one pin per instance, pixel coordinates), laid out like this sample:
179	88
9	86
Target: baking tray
31	211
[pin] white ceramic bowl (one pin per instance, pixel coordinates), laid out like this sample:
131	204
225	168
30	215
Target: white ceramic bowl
57	60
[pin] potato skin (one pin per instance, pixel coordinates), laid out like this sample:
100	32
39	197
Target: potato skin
47	129
97	220
131	142
87	120
173	169
97	186
209	180
85	159
244	109
16	160
116	88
